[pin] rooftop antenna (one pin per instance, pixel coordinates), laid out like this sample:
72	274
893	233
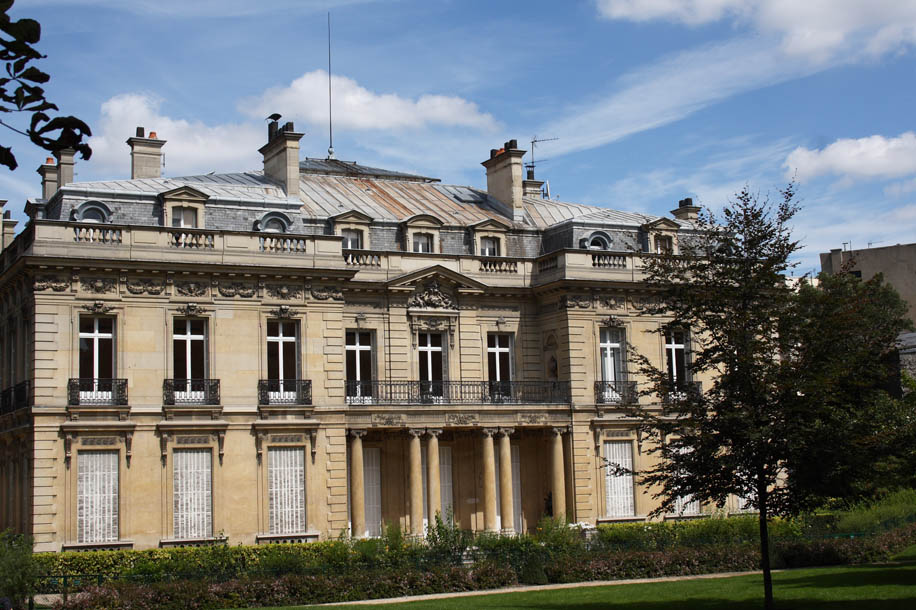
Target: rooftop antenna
530	165
330	116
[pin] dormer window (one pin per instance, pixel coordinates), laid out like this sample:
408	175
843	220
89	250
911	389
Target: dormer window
489	246
352	239
273	222
422	242
596	241
92	211
664	244
184	217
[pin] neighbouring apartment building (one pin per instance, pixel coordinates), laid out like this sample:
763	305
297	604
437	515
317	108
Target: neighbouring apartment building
319	347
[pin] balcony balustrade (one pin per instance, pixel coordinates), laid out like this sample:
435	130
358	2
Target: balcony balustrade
285	392
457	392
16	397
681	390
190	392
615	392
97	392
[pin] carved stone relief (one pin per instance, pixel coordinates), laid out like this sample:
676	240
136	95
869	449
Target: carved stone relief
145	286
461	419
240	289
97	285
431	296
325	293
196	288
98	307
52	282
284	291
575	301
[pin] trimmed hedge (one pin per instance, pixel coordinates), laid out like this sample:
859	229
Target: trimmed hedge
529	562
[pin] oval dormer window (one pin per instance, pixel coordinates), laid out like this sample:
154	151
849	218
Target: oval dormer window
275	225
598	241
274	222
92	211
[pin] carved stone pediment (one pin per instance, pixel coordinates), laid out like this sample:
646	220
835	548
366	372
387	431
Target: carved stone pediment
431	296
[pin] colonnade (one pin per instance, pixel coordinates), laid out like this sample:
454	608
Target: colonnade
488	456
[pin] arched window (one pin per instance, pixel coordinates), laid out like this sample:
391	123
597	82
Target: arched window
91	211
274	222
596	241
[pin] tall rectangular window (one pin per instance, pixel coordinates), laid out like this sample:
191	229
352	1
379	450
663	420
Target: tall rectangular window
499	363
352	239
422	242
192	490
431	358
96	359
445	479
664	244
489	246
618	487
372	481
611	345
358	350
97	496
286	489
189	350
282	359
676	358
184	217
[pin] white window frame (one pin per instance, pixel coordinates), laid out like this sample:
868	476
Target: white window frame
189	394
672	346
610	358
425	351
97	496
358	374
287	391
94	394
489	245
286	490
423	242
619	493
192	491
185	217
349	235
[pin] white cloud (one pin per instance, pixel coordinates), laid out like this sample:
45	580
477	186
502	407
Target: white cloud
899	189
192	147
817	29
357	108
671	90
870	157
205	8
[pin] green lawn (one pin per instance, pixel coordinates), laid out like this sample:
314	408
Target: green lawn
888	587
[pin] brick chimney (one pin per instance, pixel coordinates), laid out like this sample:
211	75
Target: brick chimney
281	156
686	210
65	162
504	177
7	227
145	155
48	173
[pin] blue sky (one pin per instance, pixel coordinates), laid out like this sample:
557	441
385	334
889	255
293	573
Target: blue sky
652	100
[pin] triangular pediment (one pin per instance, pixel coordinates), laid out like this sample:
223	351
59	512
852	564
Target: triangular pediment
423	220
662	223
491	224
443	275
352	216
184	193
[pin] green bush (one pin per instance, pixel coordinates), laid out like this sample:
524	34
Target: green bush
446	544
18	571
893	510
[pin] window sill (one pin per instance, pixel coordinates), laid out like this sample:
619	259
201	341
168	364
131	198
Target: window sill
287	538
602	520
167	542
97	546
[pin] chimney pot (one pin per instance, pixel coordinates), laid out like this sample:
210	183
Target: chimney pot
141	132
152	135
511	144
49	160
289	127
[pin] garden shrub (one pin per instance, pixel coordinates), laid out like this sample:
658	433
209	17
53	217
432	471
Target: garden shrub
446	544
18	571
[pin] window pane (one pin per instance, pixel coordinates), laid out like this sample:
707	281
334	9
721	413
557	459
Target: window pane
87	324
97	496
491	340
681	367
351	338
273	329
197	327
351	365
106	364
87	359
424	366
491	367
106	325
286	489
197	360
503	341
179	325
365	365
435	340
436	366
289	329
273	361
192	511
504	374
289	360
180	358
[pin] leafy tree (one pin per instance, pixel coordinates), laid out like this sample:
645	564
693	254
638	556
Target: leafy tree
18	571
795	411
20	91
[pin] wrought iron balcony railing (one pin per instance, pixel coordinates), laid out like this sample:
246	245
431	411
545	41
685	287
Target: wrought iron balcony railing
681	390
615	392
16	397
458	392
285	392
190	392
97	392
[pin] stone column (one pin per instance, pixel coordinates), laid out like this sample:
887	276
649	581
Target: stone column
357	485
505	481
432	474
558	479
489	481
416	483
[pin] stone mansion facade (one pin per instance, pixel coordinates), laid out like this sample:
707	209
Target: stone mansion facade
316	348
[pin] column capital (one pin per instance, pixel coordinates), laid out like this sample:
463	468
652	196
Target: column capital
507	431
489	432
357	433
559	430
434	432
416	432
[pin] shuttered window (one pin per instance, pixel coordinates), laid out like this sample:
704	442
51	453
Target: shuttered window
618	488
97	496
372	481
193	509
286	489
445	476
